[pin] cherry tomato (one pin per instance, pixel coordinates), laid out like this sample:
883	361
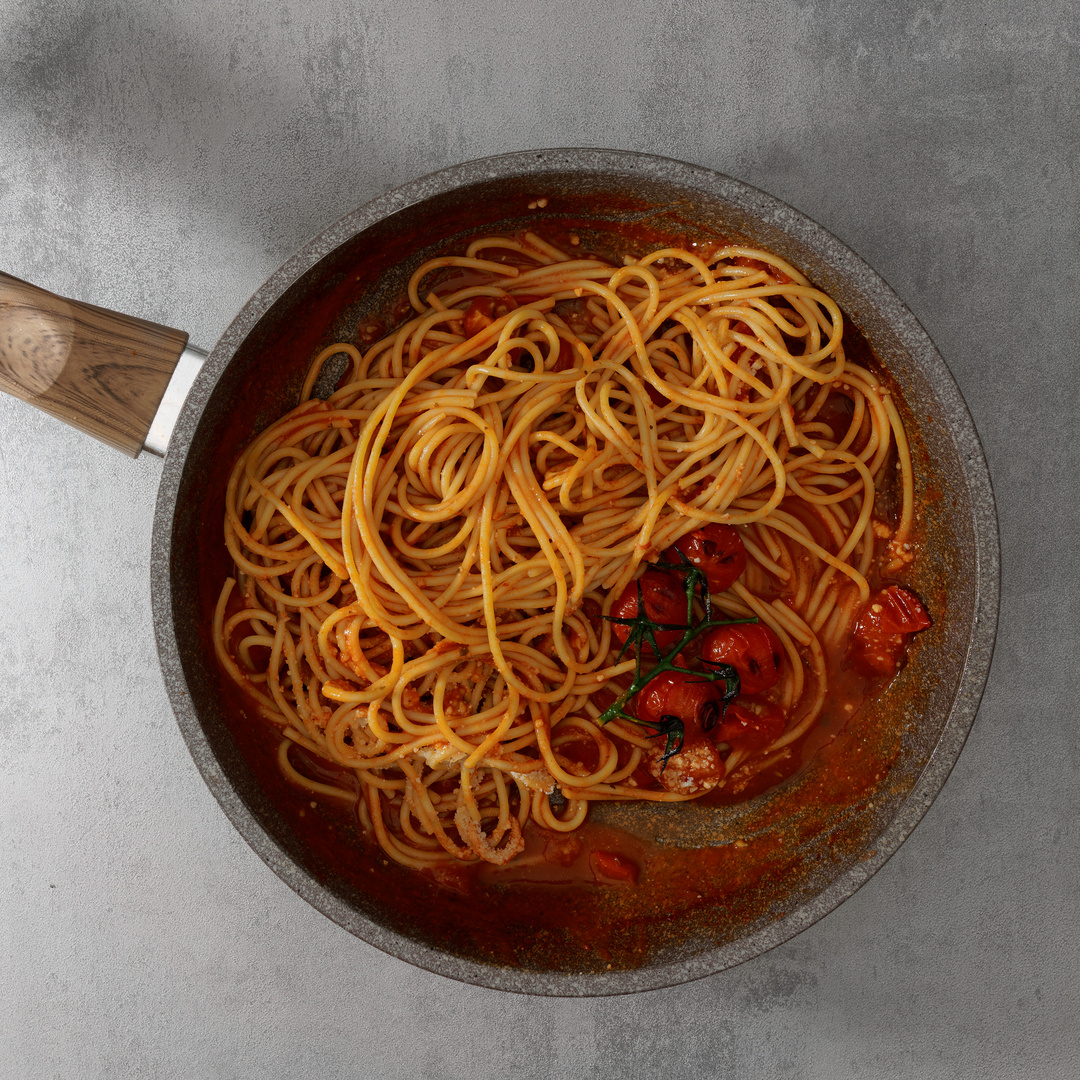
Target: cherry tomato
483	311
751	729
717	550
691	698
613	867
665	602
695	769
883	628
752	649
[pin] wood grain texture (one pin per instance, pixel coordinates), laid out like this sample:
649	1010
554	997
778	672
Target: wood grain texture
100	371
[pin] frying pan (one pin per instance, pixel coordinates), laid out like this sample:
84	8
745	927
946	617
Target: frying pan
765	870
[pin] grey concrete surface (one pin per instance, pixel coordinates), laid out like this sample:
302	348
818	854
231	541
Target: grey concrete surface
163	157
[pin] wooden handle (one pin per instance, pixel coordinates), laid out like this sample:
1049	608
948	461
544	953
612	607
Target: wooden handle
95	369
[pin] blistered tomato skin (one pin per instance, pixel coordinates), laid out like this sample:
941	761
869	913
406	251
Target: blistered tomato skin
665	602
717	550
690	698
697	702
752	649
883	628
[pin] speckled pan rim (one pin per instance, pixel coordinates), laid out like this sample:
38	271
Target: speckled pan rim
902	323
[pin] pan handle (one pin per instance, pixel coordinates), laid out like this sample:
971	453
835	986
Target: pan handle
100	371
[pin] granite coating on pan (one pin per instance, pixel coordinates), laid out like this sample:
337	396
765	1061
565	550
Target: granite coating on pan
165	158
962	515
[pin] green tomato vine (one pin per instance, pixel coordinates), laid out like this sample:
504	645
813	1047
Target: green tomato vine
642	632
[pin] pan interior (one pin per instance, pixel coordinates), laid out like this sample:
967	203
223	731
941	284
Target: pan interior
784	859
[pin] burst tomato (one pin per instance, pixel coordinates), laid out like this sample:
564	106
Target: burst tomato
751	729
695	769
752	649
717	550
883	629
695	701
665	602
690	698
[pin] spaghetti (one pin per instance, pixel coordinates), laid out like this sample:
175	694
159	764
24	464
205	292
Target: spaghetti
427	560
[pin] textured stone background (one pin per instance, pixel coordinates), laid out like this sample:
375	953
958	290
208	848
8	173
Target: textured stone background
163	157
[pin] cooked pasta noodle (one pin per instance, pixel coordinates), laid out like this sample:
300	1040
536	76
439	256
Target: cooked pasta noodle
424	559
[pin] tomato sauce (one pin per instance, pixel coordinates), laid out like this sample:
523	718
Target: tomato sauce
600	898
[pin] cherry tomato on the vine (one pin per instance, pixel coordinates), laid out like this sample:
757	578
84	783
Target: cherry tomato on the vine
717	550
883	628
691	698
665	602
752	649
697	767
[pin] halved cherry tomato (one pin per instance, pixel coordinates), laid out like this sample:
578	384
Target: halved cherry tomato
751	729
752	649
690	698
483	311
717	550
883	628
612	867
665	602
